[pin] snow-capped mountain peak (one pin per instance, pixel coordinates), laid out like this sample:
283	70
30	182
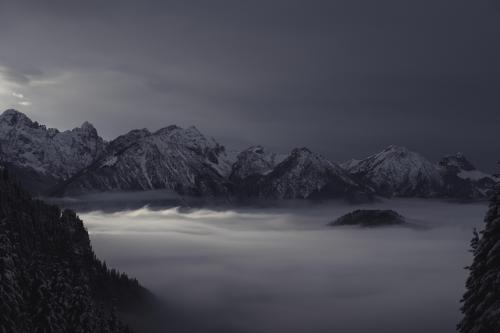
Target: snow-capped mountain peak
14	116
187	162
398	171
182	160
457	160
255	160
463	179
304	174
26	144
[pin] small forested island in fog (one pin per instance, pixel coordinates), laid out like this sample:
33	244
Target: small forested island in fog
369	218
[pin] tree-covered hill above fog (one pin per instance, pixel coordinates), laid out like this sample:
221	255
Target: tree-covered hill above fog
79	161
50	278
481	301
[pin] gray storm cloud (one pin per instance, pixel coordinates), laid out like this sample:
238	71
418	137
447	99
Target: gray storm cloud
345	78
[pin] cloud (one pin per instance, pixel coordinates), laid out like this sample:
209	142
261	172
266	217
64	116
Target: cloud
18	95
284	270
345	78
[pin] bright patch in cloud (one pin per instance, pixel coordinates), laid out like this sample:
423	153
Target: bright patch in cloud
18	95
24	103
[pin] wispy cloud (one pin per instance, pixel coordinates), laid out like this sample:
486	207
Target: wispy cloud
23	101
18	95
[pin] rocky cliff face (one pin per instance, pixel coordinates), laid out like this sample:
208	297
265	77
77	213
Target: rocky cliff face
462	179
253	161
46	155
181	160
303	175
188	163
397	171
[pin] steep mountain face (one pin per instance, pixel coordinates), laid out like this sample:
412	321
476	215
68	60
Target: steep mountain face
186	162
50	279
255	160
303	175
181	160
462	179
44	156
396	171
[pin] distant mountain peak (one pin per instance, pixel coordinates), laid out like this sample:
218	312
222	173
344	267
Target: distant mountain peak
398	171
255	160
28	145
463	179
305	174
186	161
193	129
302	151
457	160
258	149
167	129
394	149
12	112
16	117
87	125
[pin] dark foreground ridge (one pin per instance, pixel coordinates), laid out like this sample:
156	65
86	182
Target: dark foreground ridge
369	218
481	301
50	278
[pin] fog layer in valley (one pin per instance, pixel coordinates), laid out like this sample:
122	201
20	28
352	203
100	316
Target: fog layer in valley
284	270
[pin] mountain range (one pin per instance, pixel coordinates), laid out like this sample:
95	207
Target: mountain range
67	163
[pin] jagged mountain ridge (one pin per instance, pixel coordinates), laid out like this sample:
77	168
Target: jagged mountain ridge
182	160
461	177
303	175
255	160
41	156
186	162
397	171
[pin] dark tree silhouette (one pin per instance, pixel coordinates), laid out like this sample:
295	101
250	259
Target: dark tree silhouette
481	301
50	278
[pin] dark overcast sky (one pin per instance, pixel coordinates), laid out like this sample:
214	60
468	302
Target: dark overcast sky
345	78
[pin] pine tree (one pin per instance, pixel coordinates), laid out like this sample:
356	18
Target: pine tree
481	301
50	279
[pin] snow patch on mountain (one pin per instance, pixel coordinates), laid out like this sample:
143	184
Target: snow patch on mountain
255	160
182	160
397	171
27	144
304	174
187	162
462	179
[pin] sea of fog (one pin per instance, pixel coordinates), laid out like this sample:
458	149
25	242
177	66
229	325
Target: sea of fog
282	269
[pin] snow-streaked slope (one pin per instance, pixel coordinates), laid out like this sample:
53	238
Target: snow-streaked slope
255	160
182	160
47	151
462	179
397	171
187	162
304	174
347	165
